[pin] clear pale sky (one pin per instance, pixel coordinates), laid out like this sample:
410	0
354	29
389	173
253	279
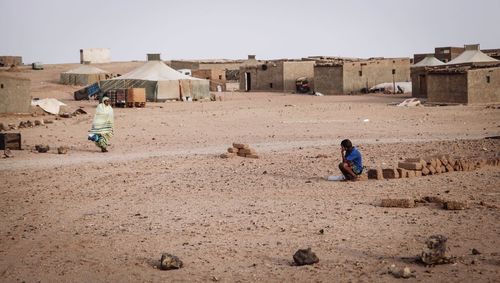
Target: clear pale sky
53	31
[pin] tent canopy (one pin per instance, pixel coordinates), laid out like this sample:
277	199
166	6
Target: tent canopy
429	60
160	82
472	54
86	69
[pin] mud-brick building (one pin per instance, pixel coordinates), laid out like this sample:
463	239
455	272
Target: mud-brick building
418	73
472	77
7	61
275	75
346	76
470	84
15	96
217	78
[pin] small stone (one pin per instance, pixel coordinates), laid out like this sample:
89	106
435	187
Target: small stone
62	150
42	148
169	261
475	252
8	153
305	257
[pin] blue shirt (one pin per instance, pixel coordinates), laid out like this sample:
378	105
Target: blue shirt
355	157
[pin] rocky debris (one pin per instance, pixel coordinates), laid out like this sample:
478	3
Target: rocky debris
402	203
305	257
62	150
405	272
475	252
65	115
455	205
48	121
432	199
7	153
169	261
322	155
42	148
435	251
240	149
4	127
79	111
39	123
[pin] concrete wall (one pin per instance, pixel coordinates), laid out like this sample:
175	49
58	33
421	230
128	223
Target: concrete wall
365	74
292	70
15	95
479	89
328	80
447	87
216	77
7	61
95	55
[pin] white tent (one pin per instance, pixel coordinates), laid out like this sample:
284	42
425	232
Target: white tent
429	60
84	75
161	83
472	54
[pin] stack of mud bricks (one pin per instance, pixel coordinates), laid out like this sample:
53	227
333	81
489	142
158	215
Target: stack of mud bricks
240	149
434	165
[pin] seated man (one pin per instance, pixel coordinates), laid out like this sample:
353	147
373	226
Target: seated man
352	164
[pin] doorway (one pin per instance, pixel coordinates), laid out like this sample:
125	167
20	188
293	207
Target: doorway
248	81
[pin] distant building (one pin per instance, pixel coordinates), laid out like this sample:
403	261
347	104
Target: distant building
217	78
15	96
419	75
274	75
7	61
333	75
95	55
471	77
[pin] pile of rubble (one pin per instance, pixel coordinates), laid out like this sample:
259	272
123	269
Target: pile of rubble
240	149
417	167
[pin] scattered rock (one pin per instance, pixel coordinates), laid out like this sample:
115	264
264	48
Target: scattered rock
227	155
455	205
475	252
3	127
169	261
305	257
435	252
401	273
39	123
403	203
8	153
62	150
321	155
65	115
42	148
79	111
48	121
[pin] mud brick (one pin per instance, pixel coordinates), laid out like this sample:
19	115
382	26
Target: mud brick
449	168
402	172
390	173
363	176
431	169
375	174
410	173
430	161
227	155
402	203
418	173
443	160
246	150
240	145
451	161
232	150
410	165
438	162
455	205
425	171
252	156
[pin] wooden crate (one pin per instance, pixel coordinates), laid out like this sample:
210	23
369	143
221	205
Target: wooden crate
136	95
10	141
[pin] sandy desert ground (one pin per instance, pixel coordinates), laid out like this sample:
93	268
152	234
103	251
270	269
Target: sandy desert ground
88	216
